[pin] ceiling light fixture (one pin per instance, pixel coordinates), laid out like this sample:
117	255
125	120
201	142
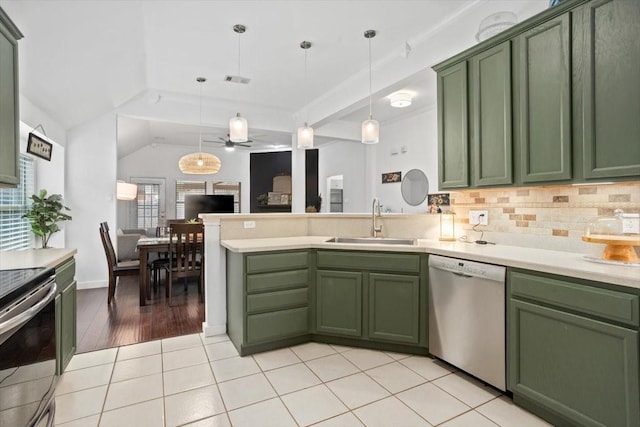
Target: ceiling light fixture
401	99
229	146
238	126
126	191
305	133
199	163
370	127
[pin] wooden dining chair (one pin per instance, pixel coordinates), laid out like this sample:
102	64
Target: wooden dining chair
116	269
186	253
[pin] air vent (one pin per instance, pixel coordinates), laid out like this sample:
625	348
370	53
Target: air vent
237	79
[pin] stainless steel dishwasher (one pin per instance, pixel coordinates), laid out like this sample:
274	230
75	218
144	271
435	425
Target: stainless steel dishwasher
467	317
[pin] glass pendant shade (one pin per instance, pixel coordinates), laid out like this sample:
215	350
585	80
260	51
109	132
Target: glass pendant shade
370	131
305	136
238	129
199	164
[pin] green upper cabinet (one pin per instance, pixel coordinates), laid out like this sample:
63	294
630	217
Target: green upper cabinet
491	141
9	111
554	99
453	117
610	88
545	101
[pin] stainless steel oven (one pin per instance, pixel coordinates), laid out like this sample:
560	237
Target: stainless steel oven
27	347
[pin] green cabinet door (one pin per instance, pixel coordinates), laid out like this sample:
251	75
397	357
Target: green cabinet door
394	308
453	117
67	324
544	71
610	71
584	369
491	140
9	112
339	302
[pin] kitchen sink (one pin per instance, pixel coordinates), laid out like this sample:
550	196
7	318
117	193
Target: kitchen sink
372	240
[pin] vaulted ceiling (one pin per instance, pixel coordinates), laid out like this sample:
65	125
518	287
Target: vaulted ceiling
80	59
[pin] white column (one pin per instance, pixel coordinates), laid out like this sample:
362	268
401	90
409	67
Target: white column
215	281
298	176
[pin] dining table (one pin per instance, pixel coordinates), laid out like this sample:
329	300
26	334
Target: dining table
147	245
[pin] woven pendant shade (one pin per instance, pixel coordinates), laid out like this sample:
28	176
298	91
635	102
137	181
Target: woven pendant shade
199	164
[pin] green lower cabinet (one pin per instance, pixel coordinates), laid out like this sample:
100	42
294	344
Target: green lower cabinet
583	369
573	349
67	324
267	299
339	302
66	317
394	308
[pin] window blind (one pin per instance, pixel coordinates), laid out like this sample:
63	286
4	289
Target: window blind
147	205
15	231
187	187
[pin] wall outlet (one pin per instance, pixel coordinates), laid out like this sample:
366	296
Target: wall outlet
249	224
631	223
479	217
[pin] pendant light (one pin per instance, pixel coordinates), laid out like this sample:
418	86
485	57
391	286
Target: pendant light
370	127
305	133
238	126
199	163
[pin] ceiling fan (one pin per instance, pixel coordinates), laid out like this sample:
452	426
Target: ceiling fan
228	144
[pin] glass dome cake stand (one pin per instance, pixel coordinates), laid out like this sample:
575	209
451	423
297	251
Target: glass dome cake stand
619	247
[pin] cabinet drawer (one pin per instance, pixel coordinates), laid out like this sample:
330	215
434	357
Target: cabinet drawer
605	303
263	263
65	273
406	263
277	300
279	280
277	324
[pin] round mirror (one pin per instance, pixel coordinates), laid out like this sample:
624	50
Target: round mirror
414	187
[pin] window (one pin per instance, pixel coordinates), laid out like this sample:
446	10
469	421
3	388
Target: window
233	188
187	187
148	205
15	231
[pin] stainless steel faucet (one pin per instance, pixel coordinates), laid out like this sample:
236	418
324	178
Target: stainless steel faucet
375	229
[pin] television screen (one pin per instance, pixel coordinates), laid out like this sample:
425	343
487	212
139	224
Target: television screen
195	204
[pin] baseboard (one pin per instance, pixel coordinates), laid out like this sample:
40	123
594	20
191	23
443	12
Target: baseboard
211	330
93	285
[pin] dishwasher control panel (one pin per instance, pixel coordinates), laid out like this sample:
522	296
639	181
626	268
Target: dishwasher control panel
467	268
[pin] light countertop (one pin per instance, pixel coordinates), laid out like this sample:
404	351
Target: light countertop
33	258
543	260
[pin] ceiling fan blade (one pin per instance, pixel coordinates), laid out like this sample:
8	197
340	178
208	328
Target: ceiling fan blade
215	142
241	144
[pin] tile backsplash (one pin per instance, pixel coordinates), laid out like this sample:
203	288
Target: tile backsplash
547	217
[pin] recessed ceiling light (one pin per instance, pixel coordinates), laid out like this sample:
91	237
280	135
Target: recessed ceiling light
401	99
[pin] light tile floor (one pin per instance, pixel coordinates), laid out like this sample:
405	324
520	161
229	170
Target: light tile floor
197	381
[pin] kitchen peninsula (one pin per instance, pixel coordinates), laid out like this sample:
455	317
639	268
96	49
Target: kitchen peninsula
279	277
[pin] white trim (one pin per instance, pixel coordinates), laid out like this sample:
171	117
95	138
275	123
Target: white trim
215	281
93	284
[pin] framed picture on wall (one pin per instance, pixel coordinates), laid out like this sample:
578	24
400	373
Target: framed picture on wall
391	177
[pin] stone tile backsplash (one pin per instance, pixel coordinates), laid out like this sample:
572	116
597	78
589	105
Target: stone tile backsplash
551	217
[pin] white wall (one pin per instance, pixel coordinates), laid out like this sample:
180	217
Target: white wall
90	193
161	161
49	175
418	134
347	159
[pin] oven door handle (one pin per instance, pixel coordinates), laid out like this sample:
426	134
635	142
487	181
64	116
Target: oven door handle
27	315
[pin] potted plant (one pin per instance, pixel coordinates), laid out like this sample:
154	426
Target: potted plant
44	215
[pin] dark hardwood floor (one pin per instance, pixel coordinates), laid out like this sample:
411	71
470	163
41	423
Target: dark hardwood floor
124	322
